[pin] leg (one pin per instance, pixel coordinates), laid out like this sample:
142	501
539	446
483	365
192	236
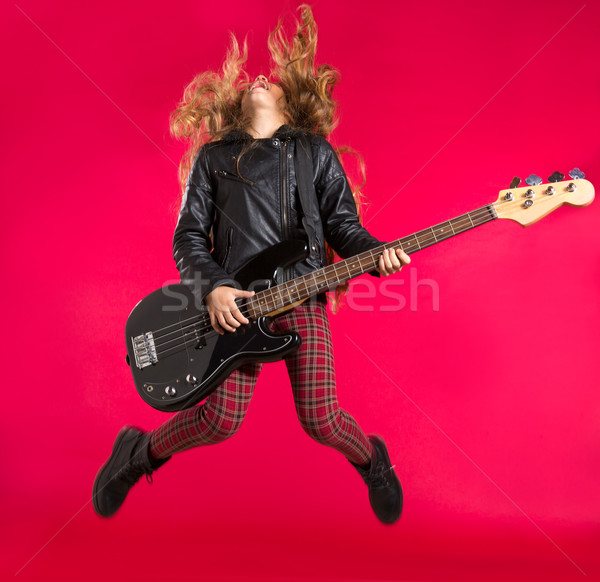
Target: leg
312	375
136	453
217	419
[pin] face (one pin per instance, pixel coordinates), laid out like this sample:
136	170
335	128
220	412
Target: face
263	94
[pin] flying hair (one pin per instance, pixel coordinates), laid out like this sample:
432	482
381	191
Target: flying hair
212	103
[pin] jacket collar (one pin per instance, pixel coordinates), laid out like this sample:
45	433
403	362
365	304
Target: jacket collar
283	132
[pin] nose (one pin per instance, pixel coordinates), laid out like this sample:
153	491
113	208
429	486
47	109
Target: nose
264	79
261	79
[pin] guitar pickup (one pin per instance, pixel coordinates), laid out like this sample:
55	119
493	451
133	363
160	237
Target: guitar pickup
201	342
144	350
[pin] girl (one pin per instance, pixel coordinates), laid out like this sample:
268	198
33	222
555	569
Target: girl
241	196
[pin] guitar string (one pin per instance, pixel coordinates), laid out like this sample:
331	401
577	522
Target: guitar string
337	265
275	294
193	329
205	319
195	333
474	214
314	288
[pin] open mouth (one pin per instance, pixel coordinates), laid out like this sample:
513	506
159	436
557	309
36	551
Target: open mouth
260	83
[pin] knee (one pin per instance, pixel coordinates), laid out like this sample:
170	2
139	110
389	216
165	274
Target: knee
323	429
216	426
221	431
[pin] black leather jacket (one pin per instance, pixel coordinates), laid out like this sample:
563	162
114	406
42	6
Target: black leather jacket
250	211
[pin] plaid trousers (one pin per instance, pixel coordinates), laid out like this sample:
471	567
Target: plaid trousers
312	375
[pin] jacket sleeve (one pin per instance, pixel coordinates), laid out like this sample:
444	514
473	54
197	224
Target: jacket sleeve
192	243
343	230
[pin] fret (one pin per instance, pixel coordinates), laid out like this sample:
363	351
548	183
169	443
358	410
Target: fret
287	290
305	287
282	295
331	273
264	301
318	283
285	294
444	231
270	299
296	290
314	277
348	269
252	311
292	292
442	228
373	259
338	272
331	280
459	226
462	224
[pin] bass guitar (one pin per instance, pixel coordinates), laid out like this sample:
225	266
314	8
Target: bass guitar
176	357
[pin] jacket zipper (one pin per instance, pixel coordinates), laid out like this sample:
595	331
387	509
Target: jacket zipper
284	189
287	270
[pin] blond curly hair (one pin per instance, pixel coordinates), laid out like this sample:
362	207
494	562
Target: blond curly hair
212	103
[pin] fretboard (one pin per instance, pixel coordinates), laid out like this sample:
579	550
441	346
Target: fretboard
279	297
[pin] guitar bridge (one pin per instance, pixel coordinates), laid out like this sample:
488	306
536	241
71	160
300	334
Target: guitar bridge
144	350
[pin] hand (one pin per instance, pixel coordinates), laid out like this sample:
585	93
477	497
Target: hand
223	310
391	262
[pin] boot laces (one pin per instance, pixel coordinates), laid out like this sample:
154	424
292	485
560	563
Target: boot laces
133	470
380	476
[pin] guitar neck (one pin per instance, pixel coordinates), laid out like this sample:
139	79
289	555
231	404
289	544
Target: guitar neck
281	297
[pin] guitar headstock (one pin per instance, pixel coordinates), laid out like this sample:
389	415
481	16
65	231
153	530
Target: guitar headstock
531	203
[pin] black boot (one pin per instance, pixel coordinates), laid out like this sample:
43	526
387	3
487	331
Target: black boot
130	459
385	492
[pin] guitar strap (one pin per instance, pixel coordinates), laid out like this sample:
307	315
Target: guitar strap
306	192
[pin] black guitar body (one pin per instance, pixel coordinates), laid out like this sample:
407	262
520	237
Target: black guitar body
177	359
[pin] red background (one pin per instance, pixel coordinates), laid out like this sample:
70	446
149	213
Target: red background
489	405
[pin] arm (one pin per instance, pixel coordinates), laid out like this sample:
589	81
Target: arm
191	250
340	219
192	244
341	225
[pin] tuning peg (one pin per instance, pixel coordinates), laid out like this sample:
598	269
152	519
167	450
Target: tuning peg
556	177
576	174
515	182
533	180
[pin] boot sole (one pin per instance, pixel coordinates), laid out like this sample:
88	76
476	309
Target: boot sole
382	449
121	437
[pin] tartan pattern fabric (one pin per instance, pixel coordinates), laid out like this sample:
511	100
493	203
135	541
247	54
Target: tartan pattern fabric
312	375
